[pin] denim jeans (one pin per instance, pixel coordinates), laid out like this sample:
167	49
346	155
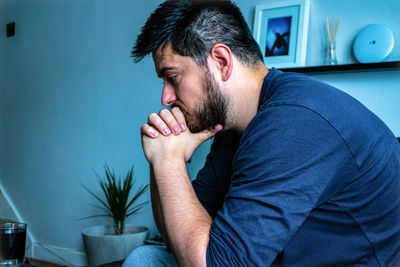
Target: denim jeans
151	256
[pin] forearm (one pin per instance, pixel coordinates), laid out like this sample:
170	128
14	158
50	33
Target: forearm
187	223
156	206
184	221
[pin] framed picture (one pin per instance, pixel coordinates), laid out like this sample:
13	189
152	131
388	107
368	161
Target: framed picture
281	29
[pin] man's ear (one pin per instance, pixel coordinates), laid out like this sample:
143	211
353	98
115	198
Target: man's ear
222	54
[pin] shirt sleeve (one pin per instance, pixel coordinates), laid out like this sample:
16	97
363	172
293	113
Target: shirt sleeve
212	181
284	166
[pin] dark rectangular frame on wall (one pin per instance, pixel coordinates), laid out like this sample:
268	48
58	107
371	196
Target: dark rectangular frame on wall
281	29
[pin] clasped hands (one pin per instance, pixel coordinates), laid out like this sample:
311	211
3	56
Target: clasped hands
166	137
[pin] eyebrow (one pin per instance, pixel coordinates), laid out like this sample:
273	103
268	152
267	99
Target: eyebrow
162	71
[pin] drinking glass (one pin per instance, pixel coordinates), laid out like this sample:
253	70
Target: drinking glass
12	243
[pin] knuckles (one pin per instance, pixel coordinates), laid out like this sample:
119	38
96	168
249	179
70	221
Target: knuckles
144	129
164	113
152	116
176	110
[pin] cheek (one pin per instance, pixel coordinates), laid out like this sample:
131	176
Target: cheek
190	90
189	95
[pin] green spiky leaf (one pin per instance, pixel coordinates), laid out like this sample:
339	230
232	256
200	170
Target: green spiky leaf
116	192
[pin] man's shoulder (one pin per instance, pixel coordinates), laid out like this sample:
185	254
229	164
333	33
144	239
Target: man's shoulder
287	88
340	110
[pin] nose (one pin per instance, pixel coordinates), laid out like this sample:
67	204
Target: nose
168	95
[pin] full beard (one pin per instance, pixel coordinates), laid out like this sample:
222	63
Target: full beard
209	113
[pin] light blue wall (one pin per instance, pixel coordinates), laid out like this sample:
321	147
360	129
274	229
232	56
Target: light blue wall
71	100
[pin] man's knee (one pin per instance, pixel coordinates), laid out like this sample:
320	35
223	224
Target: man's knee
150	256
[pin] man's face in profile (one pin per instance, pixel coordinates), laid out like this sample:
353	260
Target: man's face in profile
191	88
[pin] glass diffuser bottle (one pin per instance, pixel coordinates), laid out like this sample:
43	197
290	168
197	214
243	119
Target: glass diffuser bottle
331	53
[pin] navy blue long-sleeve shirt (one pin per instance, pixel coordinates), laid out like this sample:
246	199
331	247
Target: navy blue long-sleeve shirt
314	180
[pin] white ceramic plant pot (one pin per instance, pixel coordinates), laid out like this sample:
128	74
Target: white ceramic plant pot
103	246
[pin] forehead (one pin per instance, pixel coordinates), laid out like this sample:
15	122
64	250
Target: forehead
164	53
166	58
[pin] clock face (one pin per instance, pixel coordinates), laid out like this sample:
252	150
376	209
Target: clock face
373	43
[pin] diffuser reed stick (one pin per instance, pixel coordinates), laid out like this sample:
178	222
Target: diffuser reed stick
332	26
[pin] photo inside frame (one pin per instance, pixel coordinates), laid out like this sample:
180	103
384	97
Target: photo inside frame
278	36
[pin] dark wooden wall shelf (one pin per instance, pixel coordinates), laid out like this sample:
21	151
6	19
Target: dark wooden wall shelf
347	67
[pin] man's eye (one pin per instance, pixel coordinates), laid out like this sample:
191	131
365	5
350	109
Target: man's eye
171	79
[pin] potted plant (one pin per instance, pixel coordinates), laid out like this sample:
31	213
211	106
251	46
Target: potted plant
109	243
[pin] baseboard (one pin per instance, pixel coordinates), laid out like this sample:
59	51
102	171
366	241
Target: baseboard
61	256
35	262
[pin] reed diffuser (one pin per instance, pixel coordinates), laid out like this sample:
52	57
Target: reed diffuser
332	26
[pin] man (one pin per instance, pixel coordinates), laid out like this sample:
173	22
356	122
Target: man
299	173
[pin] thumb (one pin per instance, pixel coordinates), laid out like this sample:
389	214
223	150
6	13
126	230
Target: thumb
208	133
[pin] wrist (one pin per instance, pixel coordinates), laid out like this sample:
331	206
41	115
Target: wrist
167	164
165	157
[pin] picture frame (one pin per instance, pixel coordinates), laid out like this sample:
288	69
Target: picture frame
281	30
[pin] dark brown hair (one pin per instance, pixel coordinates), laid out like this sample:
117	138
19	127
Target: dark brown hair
194	27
